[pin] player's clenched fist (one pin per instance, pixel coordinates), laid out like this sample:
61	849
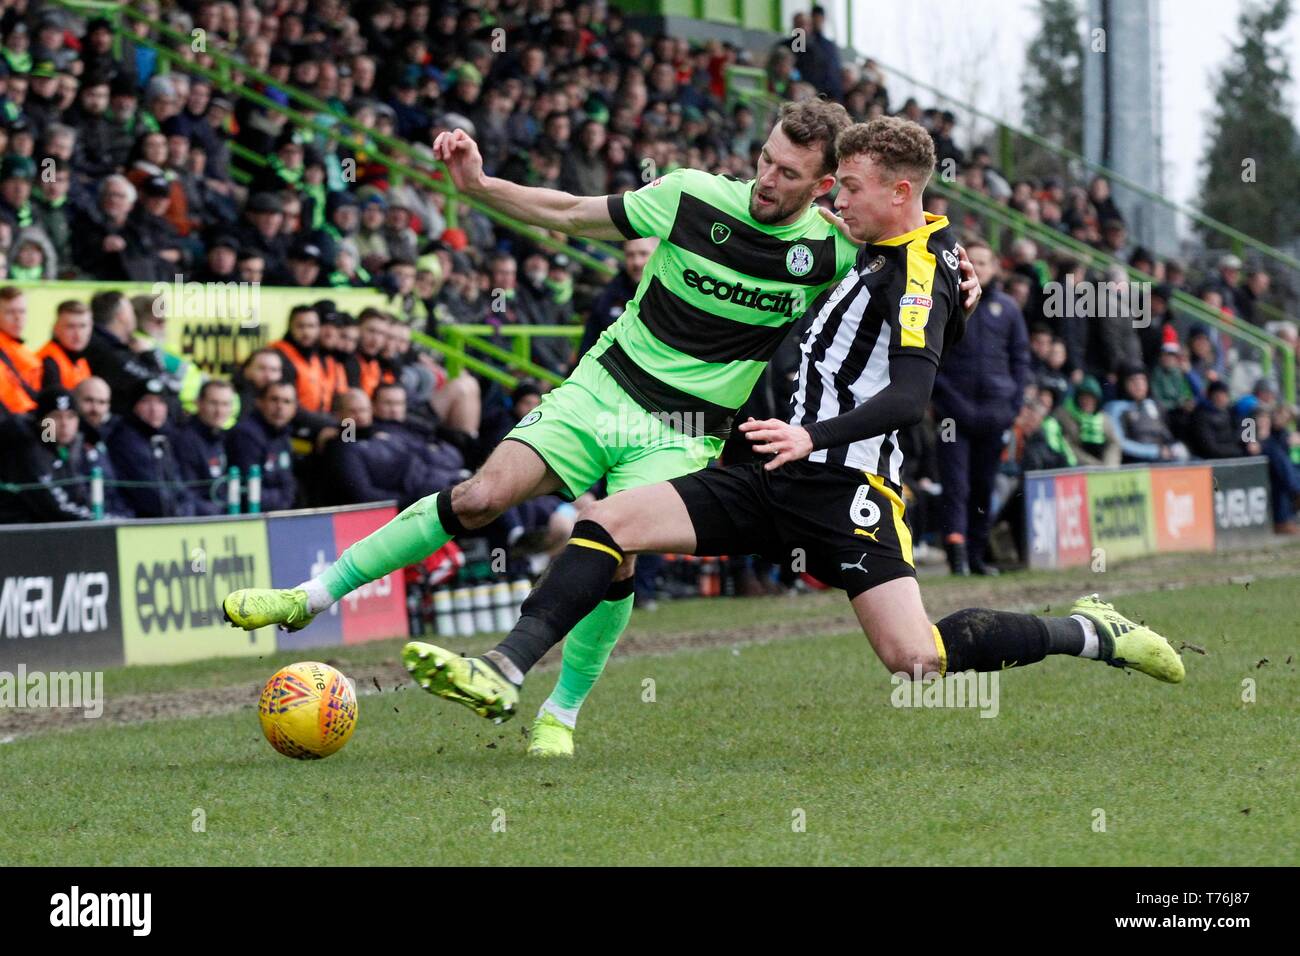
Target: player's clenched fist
775	437
465	163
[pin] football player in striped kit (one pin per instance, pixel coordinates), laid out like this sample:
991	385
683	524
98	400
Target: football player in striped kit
831	489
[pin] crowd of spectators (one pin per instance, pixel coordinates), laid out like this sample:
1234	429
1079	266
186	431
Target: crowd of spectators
1047	378
115	169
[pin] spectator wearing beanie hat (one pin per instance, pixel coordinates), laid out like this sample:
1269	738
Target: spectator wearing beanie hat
1171	386
1090	434
141	451
44	450
1215	432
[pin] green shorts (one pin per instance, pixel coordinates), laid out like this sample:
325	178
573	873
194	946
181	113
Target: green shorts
589	428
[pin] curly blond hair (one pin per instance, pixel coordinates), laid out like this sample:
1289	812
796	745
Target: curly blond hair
901	147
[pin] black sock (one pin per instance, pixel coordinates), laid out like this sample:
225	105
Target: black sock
576	581
980	639
1064	635
618	590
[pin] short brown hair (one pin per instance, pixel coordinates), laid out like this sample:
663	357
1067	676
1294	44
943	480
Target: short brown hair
72	307
815	123
902	147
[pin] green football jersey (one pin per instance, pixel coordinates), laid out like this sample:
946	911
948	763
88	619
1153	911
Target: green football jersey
717	297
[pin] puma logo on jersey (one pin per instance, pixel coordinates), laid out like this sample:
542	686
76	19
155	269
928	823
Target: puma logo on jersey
868	534
854	567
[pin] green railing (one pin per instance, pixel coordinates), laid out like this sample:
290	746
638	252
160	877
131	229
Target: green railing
1017	224
456	360
242	152
387	149
1256	339
1234	239
748	85
462	339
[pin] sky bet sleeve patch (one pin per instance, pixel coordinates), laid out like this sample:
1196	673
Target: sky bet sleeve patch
914	311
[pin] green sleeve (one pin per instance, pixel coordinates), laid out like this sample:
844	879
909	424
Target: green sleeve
650	210
846	254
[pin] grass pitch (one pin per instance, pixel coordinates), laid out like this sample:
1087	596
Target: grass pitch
742	744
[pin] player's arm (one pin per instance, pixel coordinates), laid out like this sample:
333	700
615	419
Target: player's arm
586	216
900	404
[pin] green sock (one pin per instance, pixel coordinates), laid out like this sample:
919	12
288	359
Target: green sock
586	649
413	535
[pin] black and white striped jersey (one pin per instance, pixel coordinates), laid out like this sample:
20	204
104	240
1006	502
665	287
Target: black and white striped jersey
901	297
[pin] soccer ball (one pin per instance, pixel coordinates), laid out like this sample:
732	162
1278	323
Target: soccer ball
308	710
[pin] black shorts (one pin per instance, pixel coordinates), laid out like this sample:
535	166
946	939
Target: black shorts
846	528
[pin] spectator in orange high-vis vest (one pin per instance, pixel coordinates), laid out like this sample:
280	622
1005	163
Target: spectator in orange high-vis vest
302	360
331	338
20	369
62	358
375	370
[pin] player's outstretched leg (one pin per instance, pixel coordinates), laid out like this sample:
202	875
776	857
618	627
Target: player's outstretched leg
512	473
574	589
414	534
1125	643
571	589
982	639
985	640
586	651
